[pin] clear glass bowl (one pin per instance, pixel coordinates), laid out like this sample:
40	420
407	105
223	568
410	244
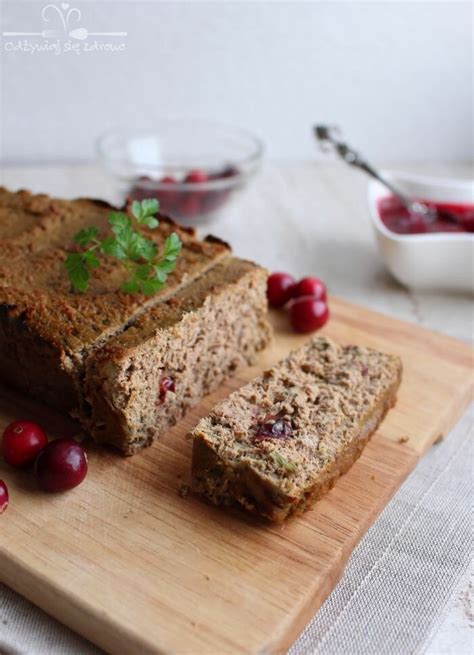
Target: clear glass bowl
192	167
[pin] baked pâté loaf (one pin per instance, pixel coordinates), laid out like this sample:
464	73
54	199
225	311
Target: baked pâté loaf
128	366
281	441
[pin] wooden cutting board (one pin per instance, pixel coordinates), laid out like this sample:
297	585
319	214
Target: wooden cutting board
129	563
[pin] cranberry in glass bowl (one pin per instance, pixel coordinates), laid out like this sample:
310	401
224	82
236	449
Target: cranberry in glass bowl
192	167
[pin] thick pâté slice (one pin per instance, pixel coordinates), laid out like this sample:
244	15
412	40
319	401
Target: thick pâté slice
144	379
281	441
59	345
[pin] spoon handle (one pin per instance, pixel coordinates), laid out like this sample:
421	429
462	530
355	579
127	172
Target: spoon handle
326	136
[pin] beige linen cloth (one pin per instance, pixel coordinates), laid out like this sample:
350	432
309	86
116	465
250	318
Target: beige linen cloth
395	587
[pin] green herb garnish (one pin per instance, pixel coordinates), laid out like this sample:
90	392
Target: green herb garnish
147	268
282	462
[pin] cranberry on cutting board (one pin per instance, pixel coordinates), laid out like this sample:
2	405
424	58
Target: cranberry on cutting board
21	443
310	286
280	288
61	465
4	497
308	314
305	300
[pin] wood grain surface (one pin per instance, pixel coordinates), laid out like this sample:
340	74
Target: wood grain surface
129	563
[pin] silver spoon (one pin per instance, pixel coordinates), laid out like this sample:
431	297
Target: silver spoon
327	137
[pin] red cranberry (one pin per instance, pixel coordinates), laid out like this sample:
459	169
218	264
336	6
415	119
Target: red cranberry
141	191
190	204
168	197
227	171
308	314
21	442
4	497
274	429
61	465
196	176
166	384
466	220
280	287
310	286
214	199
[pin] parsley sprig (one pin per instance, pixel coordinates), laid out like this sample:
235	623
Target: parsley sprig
147	268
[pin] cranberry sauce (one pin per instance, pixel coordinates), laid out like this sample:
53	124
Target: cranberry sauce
397	219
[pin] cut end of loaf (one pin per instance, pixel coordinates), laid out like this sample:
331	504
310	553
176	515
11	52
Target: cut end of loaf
196	340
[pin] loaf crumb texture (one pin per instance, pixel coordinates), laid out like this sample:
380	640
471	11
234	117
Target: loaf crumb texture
327	399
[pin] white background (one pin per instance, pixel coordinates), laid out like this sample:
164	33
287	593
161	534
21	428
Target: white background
395	75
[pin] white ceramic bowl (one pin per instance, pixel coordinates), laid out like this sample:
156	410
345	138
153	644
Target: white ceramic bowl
426	261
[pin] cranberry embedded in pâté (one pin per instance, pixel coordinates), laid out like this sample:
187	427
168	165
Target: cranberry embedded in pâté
61	465
273	428
310	286
308	314
21	442
166	384
4	497
280	288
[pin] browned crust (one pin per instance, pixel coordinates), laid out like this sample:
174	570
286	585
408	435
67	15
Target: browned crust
212	239
98	202
43	324
38	235
251	491
167	219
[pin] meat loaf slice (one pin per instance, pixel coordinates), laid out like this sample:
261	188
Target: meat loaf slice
280	442
142	381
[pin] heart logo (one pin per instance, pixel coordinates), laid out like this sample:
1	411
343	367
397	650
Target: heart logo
64	5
